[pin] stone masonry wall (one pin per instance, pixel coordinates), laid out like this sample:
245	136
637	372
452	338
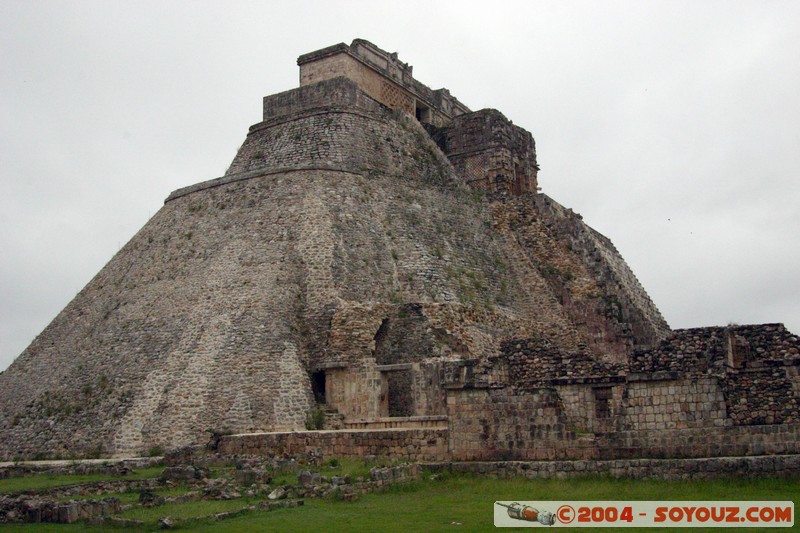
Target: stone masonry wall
726	441
687	382
411	444
496	424
762	396
667	469
381	75
696	402
499	424
689	403
339	93
754	369
535	362
389	93
593	309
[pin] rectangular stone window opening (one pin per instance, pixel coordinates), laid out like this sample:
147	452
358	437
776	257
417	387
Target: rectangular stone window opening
318	386
602	405
423	112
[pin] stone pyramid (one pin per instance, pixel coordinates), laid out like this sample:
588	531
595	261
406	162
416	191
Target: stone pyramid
371	236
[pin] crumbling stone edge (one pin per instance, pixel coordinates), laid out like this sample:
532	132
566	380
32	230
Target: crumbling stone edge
662	469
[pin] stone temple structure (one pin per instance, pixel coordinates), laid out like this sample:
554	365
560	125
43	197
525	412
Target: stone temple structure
378	263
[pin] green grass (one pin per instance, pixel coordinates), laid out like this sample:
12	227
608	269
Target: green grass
428	505
46	481
434	506
186	510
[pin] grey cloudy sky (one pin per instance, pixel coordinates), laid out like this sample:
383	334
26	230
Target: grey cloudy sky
672	127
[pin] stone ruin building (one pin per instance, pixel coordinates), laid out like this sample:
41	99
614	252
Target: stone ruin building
378	273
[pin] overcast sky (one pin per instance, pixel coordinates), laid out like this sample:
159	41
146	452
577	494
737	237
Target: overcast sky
672	127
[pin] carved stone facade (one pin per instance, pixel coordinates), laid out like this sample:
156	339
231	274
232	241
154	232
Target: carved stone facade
490	153
383	77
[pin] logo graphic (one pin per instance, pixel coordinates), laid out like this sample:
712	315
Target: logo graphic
529	514
623	514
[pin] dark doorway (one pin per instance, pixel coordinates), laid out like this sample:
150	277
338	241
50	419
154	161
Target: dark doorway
602	398
318	386
423	113
401	393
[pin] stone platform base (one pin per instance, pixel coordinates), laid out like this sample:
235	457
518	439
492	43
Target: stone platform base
667	469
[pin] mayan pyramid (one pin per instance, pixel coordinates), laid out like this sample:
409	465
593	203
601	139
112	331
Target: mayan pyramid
370	235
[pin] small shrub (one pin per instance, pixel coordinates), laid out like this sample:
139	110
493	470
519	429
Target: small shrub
315	418
155	451
395	298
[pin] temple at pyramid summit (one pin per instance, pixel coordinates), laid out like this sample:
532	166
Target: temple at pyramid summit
379	273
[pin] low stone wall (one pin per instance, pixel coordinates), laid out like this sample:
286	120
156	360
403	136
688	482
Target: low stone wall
668	469
432	444
411	444
782	439
36	511
96	488
92	466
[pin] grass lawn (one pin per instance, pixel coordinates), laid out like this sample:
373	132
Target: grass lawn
451	503
466	503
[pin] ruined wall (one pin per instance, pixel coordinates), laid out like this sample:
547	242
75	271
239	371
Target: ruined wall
754	369
683	398
503	424
490	153
393	359
596	284
538	362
